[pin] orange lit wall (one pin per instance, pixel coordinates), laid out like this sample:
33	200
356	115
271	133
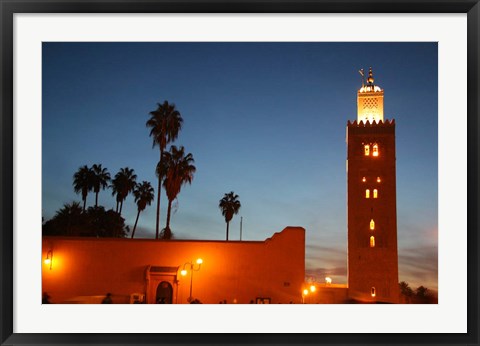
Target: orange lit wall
235	271
329	294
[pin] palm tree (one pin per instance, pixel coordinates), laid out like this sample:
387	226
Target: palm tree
100	179
144	195
122	184
165	123
70	215
116	191
229	205
178	170
82	182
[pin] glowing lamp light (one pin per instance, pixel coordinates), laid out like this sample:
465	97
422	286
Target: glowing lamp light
305	292
183	272
313	288
328	280
49	259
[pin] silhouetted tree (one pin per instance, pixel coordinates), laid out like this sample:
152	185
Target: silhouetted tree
144	195
229	205
421	295
424	296
100	179
105	223
165	123
68	221
71	220
117	191
83	182
122	184
406	291
178	169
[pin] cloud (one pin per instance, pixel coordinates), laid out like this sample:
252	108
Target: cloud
321	249
338	274
142	232
419	266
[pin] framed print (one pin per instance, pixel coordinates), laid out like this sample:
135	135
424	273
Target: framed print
319	158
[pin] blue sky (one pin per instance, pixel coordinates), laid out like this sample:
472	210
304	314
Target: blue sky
265	120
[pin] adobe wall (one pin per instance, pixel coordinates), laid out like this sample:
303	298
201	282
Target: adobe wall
331	294
237	271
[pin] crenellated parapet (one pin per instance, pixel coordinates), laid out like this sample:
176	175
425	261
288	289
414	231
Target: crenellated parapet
386	123
381	127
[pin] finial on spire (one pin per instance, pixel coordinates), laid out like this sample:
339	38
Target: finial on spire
370	76
363	76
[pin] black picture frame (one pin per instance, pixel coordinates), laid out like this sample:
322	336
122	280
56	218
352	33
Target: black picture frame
10	7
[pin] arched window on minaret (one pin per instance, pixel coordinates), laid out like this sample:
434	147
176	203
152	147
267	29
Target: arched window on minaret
375	193
375	150
372	224
372	241
367	149
372	292
367	193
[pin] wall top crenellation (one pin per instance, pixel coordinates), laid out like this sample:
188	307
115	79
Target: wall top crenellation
386	123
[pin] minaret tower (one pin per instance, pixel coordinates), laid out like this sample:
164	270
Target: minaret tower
371	200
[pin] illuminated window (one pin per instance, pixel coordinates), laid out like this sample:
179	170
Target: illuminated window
372	292
364	179
375	193
378	179
367	193
375	150
372	241
372	224
367	150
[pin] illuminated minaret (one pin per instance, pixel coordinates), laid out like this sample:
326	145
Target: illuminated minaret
371	200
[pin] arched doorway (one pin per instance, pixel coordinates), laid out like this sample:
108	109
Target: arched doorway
164	293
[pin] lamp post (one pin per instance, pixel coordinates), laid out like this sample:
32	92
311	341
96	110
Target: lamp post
192	269
49	259
304	294
310	287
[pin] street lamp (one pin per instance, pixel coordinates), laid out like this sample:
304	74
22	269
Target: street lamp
183	272
304	294
49	259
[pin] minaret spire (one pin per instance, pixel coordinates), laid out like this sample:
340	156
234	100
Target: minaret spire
369	101
370	77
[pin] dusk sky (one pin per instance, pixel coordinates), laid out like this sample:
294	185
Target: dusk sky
265	120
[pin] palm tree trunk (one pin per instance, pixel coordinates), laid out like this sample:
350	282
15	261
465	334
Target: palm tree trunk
96	199
168	215
84	203
121	206
158	198
158	208
116	209
135	226
227	229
